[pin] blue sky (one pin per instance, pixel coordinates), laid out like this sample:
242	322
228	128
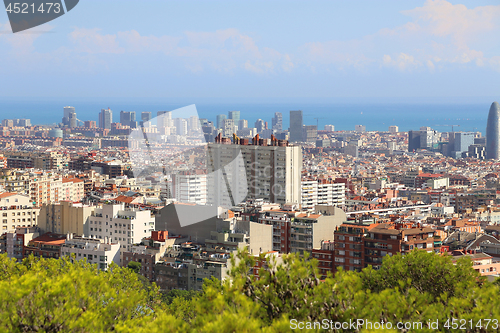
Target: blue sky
258	50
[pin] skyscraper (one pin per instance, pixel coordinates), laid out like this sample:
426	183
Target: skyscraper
243	123
127	118
260	125
234	115
73	122
220	120
164	119
296	126
278	121
413	140
67	111
459	142
493	132
105	118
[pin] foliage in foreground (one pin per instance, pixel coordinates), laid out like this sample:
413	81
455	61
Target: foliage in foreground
49	295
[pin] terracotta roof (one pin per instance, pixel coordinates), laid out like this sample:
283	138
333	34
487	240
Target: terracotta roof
6	194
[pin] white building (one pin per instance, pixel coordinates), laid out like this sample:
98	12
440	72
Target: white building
393	129
16	211
322	192
95	251
121	225
360	128
190	187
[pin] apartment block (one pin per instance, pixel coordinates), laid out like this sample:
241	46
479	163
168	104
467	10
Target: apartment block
95	251
65	217
148	253
263	168
359	244
299	231
13	242
125	226
17	211
190	187
322	192
47	245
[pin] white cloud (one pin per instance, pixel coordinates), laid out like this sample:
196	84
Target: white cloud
403	62
93	42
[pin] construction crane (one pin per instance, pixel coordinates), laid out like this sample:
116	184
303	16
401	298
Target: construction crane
317	121
452	126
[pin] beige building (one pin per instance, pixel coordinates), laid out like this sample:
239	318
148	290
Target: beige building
307	231
16	211
65	217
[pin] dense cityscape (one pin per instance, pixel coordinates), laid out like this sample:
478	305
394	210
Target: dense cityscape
348	198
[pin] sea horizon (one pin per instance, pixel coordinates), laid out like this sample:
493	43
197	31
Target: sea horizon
376	116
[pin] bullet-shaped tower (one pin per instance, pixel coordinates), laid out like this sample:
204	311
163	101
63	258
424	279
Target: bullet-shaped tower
493	132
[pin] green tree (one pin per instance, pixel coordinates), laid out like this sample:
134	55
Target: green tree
58	295
135	266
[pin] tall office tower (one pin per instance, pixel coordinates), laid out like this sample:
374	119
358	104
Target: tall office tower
67	111
145	117
260	168
235	116
296	126
220	119
278	122
181	126
413	140
260	125
105	118
193	123
310	133
127	118
330	128
393	129
427	137
493	132
243	123
458	143
72	119
360	128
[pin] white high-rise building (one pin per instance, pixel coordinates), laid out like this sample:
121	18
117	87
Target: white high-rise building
393	129
322	192
193	123
228	127
181	126
121	225
360	128
329	128
190	188
260	168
